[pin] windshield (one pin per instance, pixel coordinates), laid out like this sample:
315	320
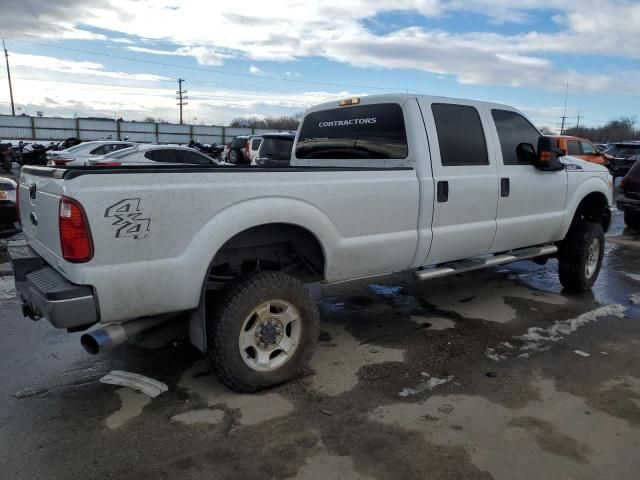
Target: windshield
276	148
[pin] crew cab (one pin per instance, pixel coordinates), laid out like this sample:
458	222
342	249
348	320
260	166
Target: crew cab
376	185
580	148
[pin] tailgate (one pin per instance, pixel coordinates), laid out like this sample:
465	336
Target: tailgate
40	192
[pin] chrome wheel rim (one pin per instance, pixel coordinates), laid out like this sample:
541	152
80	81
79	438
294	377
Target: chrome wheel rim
593	255
270	335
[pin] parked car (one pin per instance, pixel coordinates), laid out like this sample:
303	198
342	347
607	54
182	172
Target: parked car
150	154
8	208
80	153
236	151
630	204
620	157
580	148
275	150
378	184
603	147
251	149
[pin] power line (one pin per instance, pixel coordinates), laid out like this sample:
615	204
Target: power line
180	97
203	69
6	57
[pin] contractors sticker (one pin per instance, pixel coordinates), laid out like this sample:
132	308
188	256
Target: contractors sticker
128	218
346	123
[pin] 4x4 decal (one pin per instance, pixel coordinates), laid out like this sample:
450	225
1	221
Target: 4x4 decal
129	221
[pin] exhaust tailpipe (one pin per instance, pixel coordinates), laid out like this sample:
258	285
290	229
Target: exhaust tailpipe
116	333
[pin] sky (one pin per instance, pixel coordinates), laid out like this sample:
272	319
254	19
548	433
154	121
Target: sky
122	58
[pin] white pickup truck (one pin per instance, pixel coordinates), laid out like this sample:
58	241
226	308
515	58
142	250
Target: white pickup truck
378	184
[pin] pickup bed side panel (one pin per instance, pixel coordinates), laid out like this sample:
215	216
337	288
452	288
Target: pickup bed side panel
155	234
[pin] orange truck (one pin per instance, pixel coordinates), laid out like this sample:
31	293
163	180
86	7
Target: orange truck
580	148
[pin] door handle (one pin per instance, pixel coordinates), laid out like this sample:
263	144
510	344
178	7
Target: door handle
505	187
443	191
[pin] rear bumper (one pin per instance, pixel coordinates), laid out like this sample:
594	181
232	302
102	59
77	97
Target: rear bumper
625	204
45	293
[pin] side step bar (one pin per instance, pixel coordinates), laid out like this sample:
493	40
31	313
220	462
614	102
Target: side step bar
478	263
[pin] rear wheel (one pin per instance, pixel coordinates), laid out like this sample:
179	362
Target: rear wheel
233	156
580	256
263	332
632	219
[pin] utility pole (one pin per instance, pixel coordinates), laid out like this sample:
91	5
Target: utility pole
578	121
181	97
564	113
6	57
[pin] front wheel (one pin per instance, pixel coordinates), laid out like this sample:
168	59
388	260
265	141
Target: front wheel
580	256
263	332
632	219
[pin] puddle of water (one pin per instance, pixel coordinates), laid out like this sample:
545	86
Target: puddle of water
131	405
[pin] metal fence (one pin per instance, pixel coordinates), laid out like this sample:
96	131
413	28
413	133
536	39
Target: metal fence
49	128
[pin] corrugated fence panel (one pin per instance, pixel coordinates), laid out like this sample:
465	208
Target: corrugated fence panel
173	133
138	131
207	134
54	128
230	132
15	128
96	129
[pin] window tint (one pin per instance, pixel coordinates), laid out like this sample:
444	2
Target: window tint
588	148
360	132
98	151
460	135
513	129
185	156
276	148
255	143
573	147
164	155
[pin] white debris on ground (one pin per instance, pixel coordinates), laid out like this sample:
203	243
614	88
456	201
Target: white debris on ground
537	339
634	298
633	276
150	387
581	353
7	289
425	385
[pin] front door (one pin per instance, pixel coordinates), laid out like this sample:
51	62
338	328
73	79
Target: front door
531	203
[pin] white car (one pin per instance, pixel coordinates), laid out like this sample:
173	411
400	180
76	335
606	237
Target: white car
152	154
80	153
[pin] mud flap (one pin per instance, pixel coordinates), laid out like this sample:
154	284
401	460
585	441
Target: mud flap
198	325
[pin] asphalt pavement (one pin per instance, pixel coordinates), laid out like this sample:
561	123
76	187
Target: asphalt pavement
495	374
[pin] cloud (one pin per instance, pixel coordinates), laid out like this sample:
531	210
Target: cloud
203	55
23	62
253	70
334	29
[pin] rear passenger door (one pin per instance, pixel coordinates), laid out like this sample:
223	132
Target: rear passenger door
531	203
465	181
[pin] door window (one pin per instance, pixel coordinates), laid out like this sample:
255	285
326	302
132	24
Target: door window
185	156
588	148
460	135
513	129
573	147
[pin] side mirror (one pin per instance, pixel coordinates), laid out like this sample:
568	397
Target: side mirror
548	158
526	153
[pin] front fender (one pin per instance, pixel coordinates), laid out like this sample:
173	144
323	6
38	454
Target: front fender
593	184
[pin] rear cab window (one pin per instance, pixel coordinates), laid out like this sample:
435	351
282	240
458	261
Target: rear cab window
354	133
460	135
255	143
276	148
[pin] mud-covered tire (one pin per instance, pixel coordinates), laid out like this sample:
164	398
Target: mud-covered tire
226	323
578	267
632	219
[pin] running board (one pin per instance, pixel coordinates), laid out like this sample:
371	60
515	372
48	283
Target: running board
478	263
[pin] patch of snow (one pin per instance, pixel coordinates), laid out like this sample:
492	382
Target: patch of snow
581	353
633	276
634	298
535	336
430	384
491	354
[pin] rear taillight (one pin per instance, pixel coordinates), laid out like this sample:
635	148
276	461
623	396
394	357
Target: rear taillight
247	149
622	182
107	164
59	161
75	236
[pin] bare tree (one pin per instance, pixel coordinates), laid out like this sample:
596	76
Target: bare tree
623	128
285	122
